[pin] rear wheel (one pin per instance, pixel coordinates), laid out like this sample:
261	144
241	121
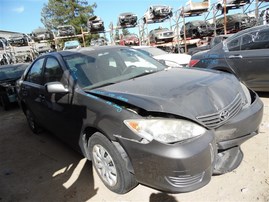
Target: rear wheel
109	165
31	122
3	102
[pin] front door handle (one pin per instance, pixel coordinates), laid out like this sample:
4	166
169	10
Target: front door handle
42	97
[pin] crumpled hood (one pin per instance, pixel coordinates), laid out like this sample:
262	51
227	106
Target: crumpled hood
179	91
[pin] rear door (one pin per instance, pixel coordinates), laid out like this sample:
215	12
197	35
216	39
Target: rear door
249	56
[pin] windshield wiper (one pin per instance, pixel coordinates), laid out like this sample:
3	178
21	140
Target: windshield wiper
143	74
98	86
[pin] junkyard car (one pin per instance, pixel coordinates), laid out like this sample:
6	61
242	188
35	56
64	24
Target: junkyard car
230	4
127	19
129	40
19	40
101	41
8	76
95	24
245	54
139	121
71	44
195	7
197	29
66	30
170	59
234	23
161	35
41	34
157	13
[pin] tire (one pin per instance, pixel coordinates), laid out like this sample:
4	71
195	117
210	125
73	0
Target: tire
144	20
31	122
109	165
219	7
4	103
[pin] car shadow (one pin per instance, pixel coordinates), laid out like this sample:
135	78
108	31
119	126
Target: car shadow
40	167
164	197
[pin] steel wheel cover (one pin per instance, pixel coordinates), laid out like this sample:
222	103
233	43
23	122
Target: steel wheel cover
104	165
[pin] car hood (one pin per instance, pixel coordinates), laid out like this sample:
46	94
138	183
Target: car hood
183	92
178	58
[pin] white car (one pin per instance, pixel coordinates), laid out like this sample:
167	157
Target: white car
193	7
231	4
170	59
157	13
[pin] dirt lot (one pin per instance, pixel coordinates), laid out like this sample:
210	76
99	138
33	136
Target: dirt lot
41	168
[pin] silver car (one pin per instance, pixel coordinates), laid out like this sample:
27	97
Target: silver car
157	13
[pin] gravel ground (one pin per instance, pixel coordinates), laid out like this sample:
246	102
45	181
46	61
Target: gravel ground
42	168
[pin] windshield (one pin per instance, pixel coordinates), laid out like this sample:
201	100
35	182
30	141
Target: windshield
12	71
98	68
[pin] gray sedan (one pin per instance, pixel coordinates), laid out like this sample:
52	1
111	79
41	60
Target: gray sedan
245	54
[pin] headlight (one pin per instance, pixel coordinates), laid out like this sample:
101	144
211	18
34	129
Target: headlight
165	130
247	97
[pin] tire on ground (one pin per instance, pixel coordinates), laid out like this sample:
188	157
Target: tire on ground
109	165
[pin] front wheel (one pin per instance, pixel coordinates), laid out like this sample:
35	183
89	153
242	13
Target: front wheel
109	165
31	122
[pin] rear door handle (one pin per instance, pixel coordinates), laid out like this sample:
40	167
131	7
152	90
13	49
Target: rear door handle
235	56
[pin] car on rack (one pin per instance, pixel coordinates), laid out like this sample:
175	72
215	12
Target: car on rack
40	34
245	54
101	41
130	40
234	23
73	44
193	7
157	13
160	34
66	30
169	59
197	29
95	24
230	4
139	121
9	74
127	19
19	40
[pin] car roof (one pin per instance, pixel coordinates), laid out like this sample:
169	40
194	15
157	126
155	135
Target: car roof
252	29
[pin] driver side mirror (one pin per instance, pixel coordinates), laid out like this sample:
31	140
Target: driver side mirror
56	87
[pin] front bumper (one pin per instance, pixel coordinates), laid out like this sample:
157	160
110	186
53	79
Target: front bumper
180	167
187	166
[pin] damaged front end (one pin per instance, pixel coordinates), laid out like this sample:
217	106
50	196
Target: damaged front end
176	142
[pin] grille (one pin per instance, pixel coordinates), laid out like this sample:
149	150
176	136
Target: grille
185	180
219	118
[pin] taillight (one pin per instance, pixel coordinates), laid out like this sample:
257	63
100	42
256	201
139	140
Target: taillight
192	63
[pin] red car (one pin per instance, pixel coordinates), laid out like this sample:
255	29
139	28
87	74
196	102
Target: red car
130	40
